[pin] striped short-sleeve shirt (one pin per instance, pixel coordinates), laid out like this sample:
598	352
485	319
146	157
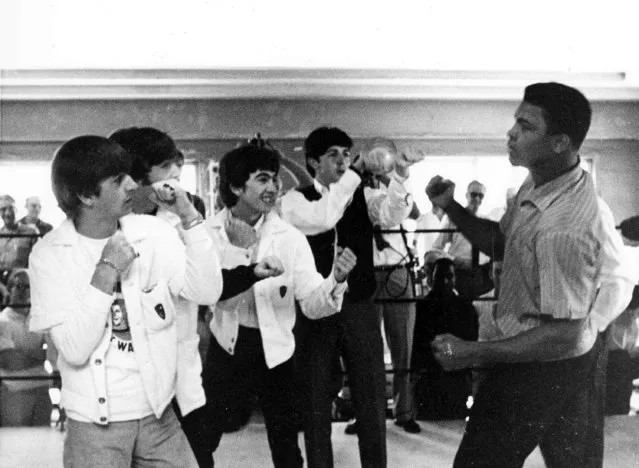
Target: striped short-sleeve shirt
552	258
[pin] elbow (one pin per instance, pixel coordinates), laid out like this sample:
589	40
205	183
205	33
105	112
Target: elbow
75	357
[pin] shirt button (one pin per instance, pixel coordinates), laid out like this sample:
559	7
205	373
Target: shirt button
101	400
106	325
103	419
98	361
232	340
230	350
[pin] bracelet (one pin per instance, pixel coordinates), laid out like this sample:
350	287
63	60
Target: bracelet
192	222
109	263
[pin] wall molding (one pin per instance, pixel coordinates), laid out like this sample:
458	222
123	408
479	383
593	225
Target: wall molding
34	85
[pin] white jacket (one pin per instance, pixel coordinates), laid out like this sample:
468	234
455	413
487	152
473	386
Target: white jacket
77	314
274	297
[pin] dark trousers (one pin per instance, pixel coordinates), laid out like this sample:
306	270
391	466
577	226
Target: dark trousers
556	405
230	382
354	334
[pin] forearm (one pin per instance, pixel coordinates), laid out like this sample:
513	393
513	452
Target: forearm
80	333
482	233
202	279
317	216
388	208
548	342
237	280
325	300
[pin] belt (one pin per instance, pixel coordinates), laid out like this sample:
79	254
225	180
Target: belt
391	267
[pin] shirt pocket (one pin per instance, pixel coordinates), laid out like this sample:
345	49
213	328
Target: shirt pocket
157	306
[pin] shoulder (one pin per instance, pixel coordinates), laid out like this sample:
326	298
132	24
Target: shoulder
285	229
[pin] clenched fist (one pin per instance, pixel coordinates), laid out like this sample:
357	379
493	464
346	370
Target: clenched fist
118	252
268	267
344	262
440	191
406	157
170	195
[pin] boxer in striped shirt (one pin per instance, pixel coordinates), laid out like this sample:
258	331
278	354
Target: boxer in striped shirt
542	354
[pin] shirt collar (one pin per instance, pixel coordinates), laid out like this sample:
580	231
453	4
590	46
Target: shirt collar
542	197
321	189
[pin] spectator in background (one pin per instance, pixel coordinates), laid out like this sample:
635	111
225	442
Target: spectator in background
460	248
22	354
441	394
14	250
394	273
32	218
623	358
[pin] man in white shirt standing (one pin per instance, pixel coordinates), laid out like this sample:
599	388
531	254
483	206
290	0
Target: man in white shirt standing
340	210
104	285
253	343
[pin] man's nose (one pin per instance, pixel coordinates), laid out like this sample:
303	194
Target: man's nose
130	184
174	172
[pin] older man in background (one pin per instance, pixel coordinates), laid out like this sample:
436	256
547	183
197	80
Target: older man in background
16	240
34	207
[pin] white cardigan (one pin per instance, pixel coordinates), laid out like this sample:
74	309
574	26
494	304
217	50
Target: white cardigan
275	297
77	314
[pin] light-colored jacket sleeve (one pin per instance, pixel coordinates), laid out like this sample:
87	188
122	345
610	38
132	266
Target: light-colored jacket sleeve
388	207
318	297
617	279
75	314
315	217
196	273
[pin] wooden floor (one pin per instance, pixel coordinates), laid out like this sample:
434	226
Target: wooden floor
247	448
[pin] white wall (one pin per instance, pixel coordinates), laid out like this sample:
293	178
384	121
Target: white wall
566	35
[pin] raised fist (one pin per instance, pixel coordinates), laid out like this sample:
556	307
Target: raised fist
440	191
344	262
119	252
406	157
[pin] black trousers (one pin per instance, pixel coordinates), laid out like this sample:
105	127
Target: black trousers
355	334
557	405
230	382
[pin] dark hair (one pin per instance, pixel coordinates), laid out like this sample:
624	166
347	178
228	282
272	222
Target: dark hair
320	140
148	147
441	264
566	110
80	165
237	165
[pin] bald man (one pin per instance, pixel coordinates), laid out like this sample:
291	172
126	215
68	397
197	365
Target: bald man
32	218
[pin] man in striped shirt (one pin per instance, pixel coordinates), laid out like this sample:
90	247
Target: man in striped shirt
543	384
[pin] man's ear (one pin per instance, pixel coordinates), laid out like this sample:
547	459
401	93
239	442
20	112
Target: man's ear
314	163
237	191
561	143
87	201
